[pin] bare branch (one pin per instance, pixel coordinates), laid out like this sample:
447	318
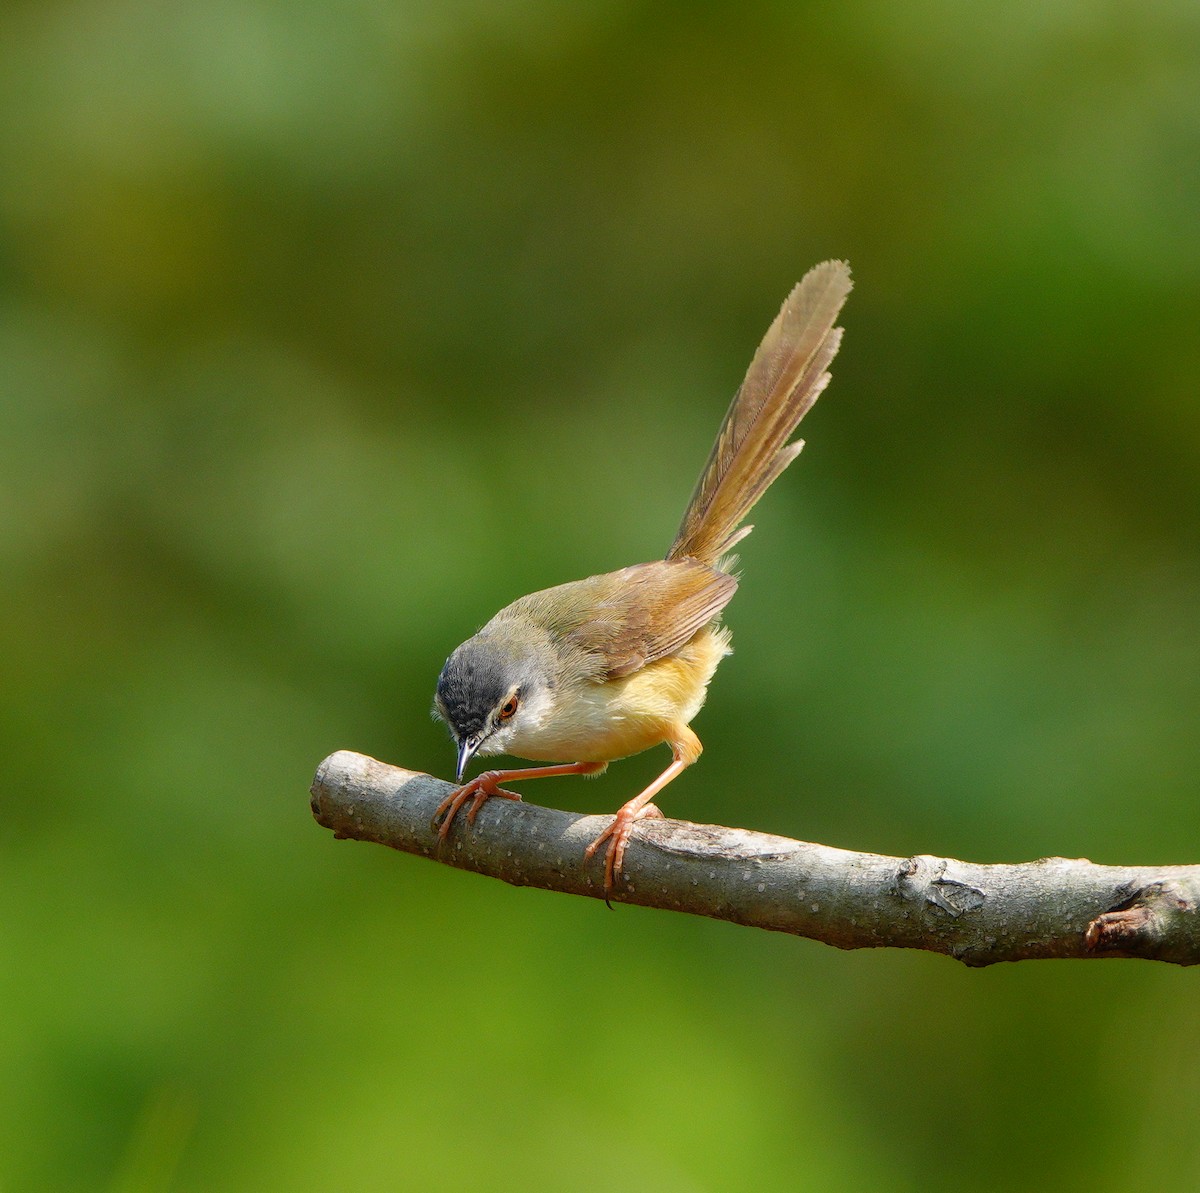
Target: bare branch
979	914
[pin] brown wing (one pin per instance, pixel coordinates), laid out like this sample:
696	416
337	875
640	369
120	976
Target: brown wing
630	618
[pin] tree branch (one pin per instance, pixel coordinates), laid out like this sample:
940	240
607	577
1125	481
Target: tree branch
978	914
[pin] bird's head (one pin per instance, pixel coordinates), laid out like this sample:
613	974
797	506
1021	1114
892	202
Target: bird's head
494	686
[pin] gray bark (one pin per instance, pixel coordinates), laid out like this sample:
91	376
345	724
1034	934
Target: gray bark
978	914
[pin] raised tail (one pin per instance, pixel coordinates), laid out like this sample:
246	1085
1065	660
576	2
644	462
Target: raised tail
785	378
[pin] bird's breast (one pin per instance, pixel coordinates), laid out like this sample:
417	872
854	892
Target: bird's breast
599	721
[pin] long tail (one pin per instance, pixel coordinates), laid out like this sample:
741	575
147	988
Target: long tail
785	378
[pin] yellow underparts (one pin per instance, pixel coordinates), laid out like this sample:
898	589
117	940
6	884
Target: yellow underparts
619	717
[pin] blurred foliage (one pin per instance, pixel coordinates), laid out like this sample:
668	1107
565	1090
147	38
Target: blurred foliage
328	328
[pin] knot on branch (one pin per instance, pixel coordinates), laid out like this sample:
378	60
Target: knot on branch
923	879
1158	922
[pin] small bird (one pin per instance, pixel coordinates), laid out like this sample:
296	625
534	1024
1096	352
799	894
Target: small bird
598	669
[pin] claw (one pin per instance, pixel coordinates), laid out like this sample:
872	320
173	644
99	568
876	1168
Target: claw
484	786
479	790
617	835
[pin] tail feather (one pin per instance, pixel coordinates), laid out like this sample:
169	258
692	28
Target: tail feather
785	378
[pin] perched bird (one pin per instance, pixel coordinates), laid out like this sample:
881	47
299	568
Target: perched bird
602	668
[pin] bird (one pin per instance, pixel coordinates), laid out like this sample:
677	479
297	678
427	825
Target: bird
594	670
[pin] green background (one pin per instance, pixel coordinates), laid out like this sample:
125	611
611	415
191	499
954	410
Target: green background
327	328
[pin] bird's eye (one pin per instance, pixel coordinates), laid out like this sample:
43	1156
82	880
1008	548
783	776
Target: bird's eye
507	709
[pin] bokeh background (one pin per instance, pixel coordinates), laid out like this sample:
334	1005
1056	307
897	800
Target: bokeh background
327	328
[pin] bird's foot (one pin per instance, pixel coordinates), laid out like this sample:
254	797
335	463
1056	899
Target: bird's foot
478	791
617	835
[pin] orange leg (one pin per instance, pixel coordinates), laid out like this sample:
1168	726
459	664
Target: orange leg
686	751
483	786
